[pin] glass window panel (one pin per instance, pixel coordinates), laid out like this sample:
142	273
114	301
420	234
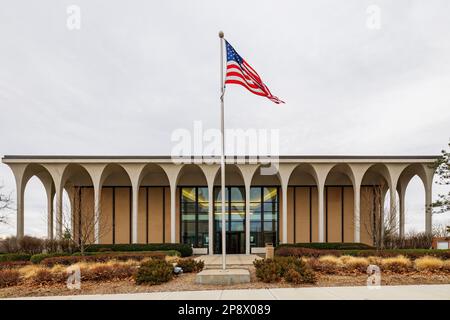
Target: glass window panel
187	194
255	194
202	195
237	194
270	194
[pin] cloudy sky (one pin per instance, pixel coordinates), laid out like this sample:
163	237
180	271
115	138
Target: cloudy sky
136	71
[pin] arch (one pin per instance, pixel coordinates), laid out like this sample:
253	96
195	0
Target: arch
35	203
339	202
375	183
116	193
44	176
78	205
302	209
406	176
153	205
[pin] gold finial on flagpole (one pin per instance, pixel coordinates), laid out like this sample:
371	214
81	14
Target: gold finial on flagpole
221	34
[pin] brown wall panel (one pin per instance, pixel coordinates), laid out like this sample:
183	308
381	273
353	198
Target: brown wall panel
348	215
122	213
290	214
142	215
87	214
167	209
105	225
334	214
155	215
315	215
302	214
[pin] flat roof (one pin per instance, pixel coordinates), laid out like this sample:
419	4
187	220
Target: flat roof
166	157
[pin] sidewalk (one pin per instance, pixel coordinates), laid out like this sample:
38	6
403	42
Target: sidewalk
416	292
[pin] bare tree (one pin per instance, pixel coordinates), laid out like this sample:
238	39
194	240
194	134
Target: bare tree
381	223
442	166
80	222
5	205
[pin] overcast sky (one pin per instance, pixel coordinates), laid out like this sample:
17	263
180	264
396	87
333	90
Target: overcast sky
138	70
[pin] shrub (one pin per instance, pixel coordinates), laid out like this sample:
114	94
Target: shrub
428	263
69	260
387	253
154	272
272	270
99	272
9	278
42	276
13	264
267	270
37	258
31	245
328	246
446	265
9	245
328	264
14	257
184	249
190	265
396	264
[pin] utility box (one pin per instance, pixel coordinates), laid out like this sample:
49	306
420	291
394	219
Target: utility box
442	243
269	251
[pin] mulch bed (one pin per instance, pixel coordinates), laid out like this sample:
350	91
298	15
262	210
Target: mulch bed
187	282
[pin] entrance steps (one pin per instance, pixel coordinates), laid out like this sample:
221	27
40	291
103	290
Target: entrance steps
233	261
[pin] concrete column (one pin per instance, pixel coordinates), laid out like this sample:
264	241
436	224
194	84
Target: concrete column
357	212
284	188
50	214
173	192
321	224
211	218
428	209
134	215
401	222
393	207
59	212
20	211
247	219
97	209
172	171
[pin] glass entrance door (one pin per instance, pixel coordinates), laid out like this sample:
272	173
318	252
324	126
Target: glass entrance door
234	220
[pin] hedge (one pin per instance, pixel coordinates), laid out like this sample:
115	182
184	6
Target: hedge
37	258
14	257
184	249
69	260
329	245
410	253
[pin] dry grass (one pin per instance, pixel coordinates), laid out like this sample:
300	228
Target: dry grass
428	263
446	265
355	263
396	264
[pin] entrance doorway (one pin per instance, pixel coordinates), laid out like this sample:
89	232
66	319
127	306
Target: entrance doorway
234	220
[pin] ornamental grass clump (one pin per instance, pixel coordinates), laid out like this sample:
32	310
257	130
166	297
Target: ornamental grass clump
9	277
428	263
397	264
358	264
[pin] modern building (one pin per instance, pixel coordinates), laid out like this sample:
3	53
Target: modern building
151	199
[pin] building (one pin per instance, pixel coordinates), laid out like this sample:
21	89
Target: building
151	199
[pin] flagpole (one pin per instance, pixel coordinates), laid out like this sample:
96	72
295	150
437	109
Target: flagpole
222	157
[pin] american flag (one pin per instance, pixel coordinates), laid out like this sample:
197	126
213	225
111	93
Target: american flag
240	72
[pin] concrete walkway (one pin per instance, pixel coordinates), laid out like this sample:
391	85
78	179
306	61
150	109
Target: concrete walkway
416	292
232	260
